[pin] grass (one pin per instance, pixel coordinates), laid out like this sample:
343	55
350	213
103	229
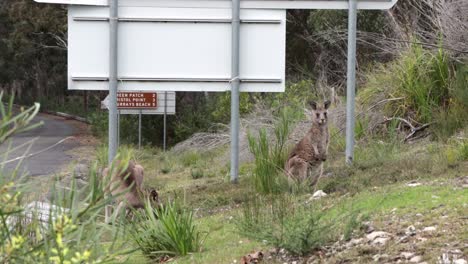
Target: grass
166	232
271	154
372	188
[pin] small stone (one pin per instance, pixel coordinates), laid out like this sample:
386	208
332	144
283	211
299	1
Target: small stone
413	184
319	194
416	259
372	236
380	241
410	230
429	229
407	255
419	215
456	252
459	261
294	262
403	239
422	239
353	242
379	257
367	227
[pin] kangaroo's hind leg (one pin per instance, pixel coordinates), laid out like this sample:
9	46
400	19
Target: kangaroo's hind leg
297	169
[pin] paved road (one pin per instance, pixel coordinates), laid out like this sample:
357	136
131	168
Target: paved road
50	161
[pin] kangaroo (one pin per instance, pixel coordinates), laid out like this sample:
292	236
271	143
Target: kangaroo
126	183
305	162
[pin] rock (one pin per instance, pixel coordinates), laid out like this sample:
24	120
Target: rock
377	234
410	230
403	239
379	257
456	252
319	194
419	215
416	259
378	238
459	261
353	242
367	227
81	171
407	255
429	229
413	184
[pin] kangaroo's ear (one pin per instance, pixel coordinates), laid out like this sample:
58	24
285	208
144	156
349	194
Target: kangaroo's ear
313	104
327	104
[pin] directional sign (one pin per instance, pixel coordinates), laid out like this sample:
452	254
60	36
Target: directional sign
162	103
137	100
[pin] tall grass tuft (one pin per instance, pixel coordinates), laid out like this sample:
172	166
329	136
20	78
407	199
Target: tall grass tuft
270	155
166	232
427	87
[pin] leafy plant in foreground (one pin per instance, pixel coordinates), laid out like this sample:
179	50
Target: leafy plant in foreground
166	231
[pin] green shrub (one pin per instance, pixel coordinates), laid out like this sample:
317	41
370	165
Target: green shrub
167	231
190	158
270	157
427	87
74	232
285	222
197	174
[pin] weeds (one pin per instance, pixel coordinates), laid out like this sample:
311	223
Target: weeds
167	231
270	157
430	88
284	222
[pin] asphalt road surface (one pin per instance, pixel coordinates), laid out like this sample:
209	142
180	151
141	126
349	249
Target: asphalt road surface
47	162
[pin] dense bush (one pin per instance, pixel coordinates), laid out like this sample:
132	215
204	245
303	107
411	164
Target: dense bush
423	87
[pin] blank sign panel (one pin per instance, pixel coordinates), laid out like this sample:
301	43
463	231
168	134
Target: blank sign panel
177	49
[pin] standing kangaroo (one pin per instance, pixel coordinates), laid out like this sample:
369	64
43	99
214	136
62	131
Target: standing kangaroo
306	159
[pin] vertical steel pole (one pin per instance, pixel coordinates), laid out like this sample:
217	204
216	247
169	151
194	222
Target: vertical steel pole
118	128
235	83
139	130
113	49
351	86
165	122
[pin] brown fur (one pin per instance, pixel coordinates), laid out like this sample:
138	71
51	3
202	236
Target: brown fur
126	184
305	162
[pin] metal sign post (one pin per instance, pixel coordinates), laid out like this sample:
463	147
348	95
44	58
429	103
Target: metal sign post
235	83
113	51
139	130
165	122
351	86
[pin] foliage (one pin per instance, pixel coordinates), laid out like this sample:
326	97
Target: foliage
72	232
166	231
422	86
32	58
284	222
270	157
11	123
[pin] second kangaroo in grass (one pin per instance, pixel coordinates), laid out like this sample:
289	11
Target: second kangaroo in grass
306	159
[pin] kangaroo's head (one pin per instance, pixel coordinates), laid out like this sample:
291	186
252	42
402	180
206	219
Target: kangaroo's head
320	112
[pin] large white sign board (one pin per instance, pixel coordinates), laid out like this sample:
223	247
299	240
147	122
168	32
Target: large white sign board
184	45
176	49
